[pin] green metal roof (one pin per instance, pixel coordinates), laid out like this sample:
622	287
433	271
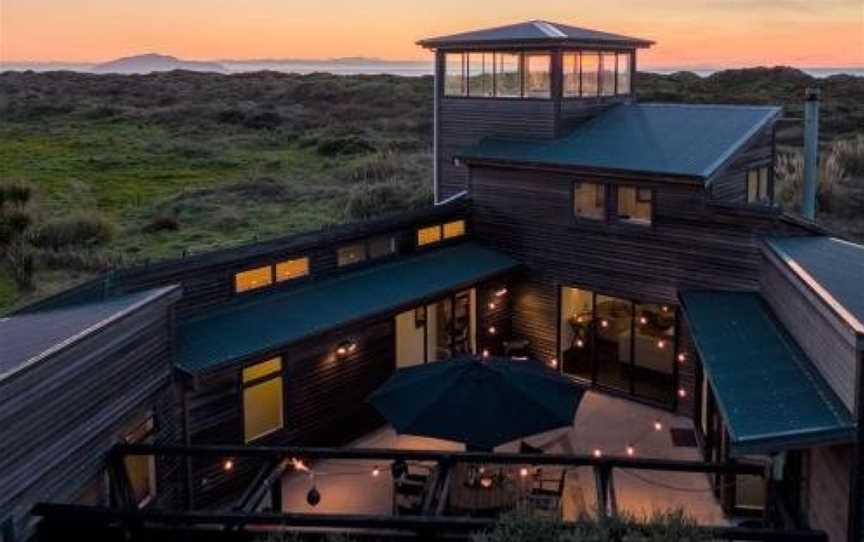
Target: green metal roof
770	395
268	320
672	139
832	267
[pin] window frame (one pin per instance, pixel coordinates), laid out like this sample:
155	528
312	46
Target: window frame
364	251
586	219
615	217
762	181
144	432
235	276
308	269
265	378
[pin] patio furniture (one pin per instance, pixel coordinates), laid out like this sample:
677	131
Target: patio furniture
482	494
546	492
483	403
413	485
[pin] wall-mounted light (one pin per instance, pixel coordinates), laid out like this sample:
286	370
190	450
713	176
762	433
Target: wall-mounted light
228	465
553	363
492	330
682	357
661	344
345	348
485	353
580	343
501	292
682	393
376	472
604	323
643	320
658	425
492	305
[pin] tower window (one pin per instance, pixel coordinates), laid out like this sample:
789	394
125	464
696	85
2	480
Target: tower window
480	74
454	78
590	74
537	79
508	75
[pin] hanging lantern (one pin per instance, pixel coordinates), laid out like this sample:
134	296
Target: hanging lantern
313	497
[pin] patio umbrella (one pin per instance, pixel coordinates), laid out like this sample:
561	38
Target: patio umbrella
482	403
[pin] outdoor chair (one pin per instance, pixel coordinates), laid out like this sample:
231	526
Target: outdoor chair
546	494
412	488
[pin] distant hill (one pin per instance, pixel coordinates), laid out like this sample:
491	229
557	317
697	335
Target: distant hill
155	63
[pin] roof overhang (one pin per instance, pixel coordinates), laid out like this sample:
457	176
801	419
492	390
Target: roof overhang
770	396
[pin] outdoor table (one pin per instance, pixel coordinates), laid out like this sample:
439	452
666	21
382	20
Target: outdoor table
505	491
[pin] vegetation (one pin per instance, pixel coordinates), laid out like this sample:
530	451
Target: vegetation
122	169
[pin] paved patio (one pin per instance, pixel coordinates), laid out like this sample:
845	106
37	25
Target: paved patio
602	423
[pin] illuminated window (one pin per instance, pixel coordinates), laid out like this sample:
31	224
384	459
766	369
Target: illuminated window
380	247
263	409
480	74
253	278
292	269
141	469
351	254
635	205
508	75
454	78
623	74
454	229
571	67
590	74
757	186
426	236
537	79
607	74
589	201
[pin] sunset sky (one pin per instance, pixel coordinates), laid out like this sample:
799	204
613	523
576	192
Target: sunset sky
806	33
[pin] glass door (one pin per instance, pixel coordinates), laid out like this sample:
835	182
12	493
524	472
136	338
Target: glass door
451	326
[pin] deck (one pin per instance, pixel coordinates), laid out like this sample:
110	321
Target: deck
602	423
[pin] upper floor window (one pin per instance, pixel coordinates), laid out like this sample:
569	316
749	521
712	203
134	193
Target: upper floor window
498	74
589	200
508	75
538	81
628	204
480	74
454	76
757	186
381	246
635	205
350	254
591	73
292	269
433	234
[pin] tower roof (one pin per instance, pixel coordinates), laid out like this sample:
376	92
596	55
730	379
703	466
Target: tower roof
533	33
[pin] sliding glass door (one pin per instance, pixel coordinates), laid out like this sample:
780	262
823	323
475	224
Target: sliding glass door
619	344
437	331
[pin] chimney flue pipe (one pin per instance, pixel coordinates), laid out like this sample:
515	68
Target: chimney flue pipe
811	153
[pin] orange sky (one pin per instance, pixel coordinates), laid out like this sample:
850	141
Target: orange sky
807	33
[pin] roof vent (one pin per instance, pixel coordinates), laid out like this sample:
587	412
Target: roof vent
548	29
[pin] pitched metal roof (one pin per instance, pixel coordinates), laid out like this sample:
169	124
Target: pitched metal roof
270	320
26	339
672	139
768	392
540	32
833	268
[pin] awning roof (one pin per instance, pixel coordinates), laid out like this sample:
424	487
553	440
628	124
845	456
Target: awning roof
692	140
768	392
269	320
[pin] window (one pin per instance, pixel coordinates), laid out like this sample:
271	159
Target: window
141	469
634	205
590	74
623	86
617	343
381	246
537	79
292	269
454	78
262	399
480	74
757	186
253	278
427	236
508	75
454	229
570	63
589	200
607	74
350	254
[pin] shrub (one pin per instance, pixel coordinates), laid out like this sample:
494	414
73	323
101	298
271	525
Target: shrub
162	222
264	120
343	145
850	154
20	260
789	174
366	200
77	259
15	193
76	230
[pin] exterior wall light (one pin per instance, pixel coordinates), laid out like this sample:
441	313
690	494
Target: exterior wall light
501	292
228	465
345	348
492	330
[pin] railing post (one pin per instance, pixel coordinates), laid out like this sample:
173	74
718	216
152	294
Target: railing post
602	474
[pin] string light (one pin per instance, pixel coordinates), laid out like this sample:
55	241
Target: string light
228	465
682	357
597	452
658	425
604	323
523	472
682	393
299	465
661	344
492	330
485	353
376	471
631	451
643	320
580	343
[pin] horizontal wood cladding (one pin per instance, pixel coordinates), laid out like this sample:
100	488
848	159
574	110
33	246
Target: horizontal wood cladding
730	183
324	398
828	488
828	341
70	408
208	279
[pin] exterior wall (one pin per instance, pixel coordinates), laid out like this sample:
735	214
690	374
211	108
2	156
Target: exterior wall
691	245
828	490
71	408
729	185
828	341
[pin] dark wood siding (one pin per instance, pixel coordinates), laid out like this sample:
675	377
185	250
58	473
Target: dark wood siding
691	245
828	341
828	490
69	409
729	184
